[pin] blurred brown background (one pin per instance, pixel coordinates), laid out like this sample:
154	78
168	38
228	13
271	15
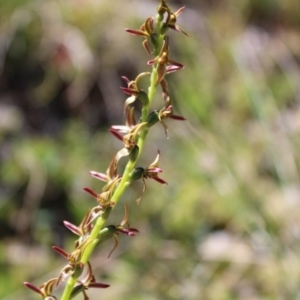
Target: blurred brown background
227	226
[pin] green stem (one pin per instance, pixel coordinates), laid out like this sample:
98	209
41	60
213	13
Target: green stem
91	244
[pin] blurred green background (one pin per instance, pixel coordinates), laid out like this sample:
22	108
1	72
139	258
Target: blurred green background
227	225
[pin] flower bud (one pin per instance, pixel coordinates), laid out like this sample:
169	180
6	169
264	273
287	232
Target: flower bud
162	8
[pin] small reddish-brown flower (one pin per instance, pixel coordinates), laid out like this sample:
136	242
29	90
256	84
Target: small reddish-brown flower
84	229
113	231
87	282
164	64
134	91
124	227
130	138
103	198
151	172
171	20
146	31
164	113
111	177
167	112
171	17
130	123
112	170
45	290
73	258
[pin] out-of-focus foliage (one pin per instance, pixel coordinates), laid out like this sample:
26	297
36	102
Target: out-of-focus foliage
227	225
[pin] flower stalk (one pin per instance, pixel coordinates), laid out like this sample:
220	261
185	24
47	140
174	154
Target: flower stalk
93	231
